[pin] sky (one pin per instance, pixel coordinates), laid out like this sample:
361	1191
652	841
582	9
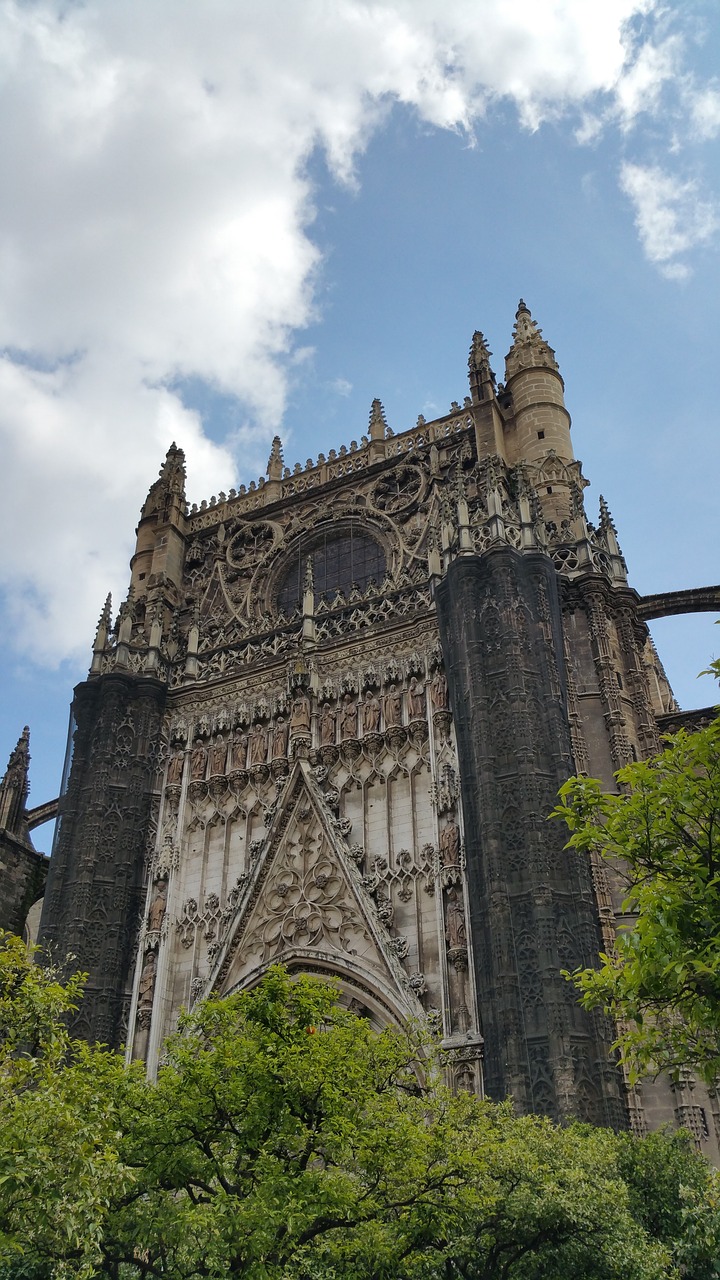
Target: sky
222	219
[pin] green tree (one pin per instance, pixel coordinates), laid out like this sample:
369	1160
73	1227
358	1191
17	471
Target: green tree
661	834
284	1139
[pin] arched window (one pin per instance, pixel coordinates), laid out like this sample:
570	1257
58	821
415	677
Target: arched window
339	562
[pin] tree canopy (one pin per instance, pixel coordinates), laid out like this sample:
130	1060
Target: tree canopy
661	835
284	1139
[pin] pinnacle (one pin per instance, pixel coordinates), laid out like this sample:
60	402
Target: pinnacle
19	757
479	350
378	421
276	461
606	520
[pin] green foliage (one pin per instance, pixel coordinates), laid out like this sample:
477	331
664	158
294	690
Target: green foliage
662	833
284	1139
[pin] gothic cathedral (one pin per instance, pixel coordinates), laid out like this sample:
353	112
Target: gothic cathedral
326	731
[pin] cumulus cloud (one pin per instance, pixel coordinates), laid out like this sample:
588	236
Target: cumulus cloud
157	224
670	217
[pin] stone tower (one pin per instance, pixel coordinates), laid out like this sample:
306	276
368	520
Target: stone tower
328	725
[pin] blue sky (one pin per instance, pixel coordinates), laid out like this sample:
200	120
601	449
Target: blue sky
231	219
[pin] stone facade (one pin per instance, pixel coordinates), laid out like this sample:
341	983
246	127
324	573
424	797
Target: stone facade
22	868
326	729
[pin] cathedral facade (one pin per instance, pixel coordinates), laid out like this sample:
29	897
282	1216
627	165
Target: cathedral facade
327	728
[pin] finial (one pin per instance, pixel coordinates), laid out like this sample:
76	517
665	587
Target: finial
529	349
378	421
276	461
309	576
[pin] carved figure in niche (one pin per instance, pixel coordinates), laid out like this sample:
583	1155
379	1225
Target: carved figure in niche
327	726
175	768
146	985
416	700
450	845
370	713
198	760
439	692
348	718
258	745
158	906
393	707
455	932
300	714
238	754
217	757
280	739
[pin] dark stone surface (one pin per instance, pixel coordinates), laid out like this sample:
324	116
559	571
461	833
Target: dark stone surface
93	898
22	881
532	906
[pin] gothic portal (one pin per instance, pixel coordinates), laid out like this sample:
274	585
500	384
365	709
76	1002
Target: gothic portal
328	725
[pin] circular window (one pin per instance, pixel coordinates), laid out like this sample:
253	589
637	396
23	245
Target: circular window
339	563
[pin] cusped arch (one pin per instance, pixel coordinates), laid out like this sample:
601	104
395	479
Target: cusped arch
359	987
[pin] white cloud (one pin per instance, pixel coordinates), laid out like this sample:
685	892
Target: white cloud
705	112
157	219
341	386
670	217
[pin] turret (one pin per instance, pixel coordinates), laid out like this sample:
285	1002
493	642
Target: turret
541	423
160	546
538	424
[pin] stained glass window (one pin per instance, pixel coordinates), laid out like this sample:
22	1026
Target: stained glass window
339	563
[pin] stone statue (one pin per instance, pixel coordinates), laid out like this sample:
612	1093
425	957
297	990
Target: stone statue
348	718
439	692
146	985
175	768
218	756
280	739
158	906
456	933
198	760
393	707
327	726
238	754
416	700
450	845
258	745
300	714
370	713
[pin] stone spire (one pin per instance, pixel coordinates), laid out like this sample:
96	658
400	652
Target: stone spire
529	349
15	787
480	375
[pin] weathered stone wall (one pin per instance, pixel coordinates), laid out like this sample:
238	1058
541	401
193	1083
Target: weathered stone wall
532	907
22	881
